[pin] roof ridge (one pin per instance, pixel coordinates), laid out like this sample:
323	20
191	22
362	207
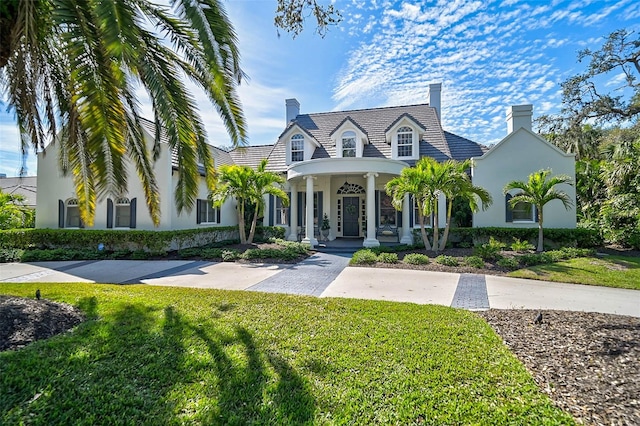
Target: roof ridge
364	109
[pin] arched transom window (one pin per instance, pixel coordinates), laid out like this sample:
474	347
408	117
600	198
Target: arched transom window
349	144
405	142
297	147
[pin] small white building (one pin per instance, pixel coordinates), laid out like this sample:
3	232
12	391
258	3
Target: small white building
335	163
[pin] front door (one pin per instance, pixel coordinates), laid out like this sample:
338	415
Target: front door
350	227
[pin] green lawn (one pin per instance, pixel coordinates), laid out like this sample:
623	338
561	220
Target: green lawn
157	355
609	271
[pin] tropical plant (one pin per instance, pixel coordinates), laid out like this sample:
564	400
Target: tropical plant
248	187
539	190
14	213
326	224
457	184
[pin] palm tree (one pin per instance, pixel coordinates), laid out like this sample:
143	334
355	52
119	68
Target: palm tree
421	182
70	69
459	185
248	187
14	213
538	191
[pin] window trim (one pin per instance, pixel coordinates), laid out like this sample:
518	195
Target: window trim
346	136
209	211
72	203
121	202
404	131
298	139
281	213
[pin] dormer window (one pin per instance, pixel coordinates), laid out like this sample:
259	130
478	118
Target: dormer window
349	144
405	142
297	148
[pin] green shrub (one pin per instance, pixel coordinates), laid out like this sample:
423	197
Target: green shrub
364	257
508	263
447	260
140	255
120	254
11	255
190	252
532	259
388	257
474	262
521	246
416	259
490	250
230	255
211	253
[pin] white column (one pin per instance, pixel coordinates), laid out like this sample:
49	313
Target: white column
407	209
370	240
309	238
293	209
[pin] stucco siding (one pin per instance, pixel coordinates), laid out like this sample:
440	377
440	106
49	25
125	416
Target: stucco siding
518	155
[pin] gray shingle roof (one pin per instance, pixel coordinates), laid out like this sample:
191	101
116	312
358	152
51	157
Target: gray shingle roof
375	122
250	155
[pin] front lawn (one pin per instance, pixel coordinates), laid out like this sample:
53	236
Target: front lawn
609	271
156	355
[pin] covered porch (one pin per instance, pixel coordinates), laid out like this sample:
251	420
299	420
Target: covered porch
351	193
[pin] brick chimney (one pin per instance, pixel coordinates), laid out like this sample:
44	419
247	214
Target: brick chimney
434	98
293	109
519	116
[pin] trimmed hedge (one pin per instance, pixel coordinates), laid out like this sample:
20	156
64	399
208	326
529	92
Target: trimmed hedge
561	237
132	240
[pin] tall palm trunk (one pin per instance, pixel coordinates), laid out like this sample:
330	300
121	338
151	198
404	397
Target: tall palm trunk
540	232
423	233
252	231
436	230
241	227
443	243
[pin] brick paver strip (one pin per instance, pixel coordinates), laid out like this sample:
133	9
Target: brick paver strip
471	292
309	277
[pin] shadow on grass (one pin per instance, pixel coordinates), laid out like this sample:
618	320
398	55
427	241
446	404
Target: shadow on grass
142	364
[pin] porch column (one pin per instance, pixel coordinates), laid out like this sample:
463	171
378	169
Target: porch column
370	240
309	238
293	213
407	237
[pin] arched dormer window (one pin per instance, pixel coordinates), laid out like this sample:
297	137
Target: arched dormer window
405	141
348	144
297	147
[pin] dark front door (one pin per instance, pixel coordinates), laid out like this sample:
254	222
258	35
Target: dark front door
350	226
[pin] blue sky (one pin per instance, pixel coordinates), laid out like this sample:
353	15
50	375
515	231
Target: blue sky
488	55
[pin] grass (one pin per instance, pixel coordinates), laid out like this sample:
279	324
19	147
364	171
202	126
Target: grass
610	271
156	355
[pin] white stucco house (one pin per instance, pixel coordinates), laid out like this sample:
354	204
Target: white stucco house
337	163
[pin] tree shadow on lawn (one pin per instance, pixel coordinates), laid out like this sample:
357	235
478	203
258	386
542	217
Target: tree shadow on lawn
142	364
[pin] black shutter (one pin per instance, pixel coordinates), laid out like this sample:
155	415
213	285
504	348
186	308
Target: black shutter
535	213
377	208
132	212
271	209
300	204
60	214
508	210
198	211
320	215
289	210
218	214
109	213
398	218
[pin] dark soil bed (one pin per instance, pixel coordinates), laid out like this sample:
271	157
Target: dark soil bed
588	363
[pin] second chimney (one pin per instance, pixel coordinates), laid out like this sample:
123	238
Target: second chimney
434	97
293	109
519	116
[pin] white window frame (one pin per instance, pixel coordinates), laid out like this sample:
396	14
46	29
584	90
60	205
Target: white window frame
282	213
405	135
416	217
208	213
297	147
122	205
349	136
71	206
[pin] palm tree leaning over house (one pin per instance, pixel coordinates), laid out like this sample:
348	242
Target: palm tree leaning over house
459	185
538	191
248	187
72	69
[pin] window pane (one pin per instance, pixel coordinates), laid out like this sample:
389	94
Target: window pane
73	217
522	211
387	211
123	216
405	142
297	148
281	212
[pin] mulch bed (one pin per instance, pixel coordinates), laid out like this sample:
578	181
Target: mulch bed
588	363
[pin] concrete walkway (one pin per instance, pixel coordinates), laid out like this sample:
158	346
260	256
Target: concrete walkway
326	275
